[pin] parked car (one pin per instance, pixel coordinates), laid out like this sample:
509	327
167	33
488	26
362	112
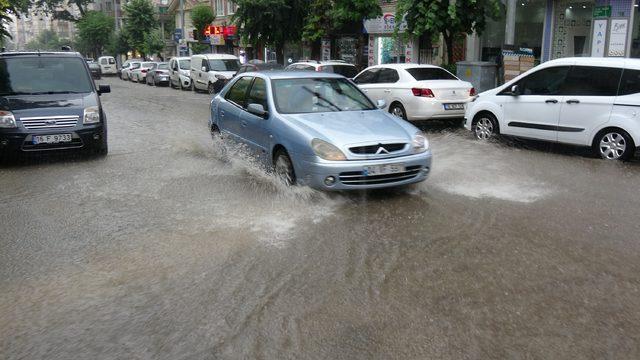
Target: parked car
331	66
179	72
259	66
580	101
416	92
139	74
211	72
48	101
320	130
107	65
128	67
94	68
158	74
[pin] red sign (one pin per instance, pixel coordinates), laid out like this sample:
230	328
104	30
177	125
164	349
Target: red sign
217	30
230	30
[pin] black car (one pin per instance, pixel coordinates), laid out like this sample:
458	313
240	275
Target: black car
48	101
94	67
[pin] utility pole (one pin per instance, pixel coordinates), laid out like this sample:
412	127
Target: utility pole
184	36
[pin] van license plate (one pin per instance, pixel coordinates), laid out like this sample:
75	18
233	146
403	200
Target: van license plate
51	139
383	169
454	106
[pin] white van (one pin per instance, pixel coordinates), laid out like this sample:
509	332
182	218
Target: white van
211	72
108	65
580	101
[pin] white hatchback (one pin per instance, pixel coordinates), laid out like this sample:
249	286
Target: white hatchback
416	92
581	101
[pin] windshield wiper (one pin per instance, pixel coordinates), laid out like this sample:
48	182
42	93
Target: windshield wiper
321	98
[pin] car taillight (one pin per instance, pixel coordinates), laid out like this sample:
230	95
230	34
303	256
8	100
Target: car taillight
422	92
144	71
472	92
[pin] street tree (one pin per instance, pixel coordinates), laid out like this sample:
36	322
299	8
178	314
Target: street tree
95	30
119	43
448	18
154	42
201	17
140	21
47	40
327	16
271	22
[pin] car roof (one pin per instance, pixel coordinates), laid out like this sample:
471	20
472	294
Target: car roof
180	58
404	66
327	62
216	56
280	74
593	61
41	53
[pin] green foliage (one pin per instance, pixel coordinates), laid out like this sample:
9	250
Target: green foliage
201	17
327	16
119	43
95	30
198	48
47	40
139	22
272	22
442	17
153	42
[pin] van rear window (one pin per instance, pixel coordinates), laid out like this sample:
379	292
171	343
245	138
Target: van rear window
43	75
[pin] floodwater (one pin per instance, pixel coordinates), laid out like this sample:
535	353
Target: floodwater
166	249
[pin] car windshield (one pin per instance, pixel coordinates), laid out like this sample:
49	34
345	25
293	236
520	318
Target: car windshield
147	64
224	65
43	75
434	73
184	64
310	95
348	71
163	66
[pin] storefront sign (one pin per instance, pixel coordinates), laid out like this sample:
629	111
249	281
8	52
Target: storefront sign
598	38
618	37
217	39
383	25
326	49
408	52
602	11
372	49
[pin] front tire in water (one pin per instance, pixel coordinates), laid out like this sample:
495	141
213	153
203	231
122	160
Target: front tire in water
283	168
613	144
485	127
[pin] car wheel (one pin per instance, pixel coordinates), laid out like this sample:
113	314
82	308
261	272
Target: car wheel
485	127
614	144
397	109
211	89
283	168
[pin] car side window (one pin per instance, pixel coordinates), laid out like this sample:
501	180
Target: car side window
591	81
544	82
175	65
238	92
388	76
205	64
367	77
630	83
258	93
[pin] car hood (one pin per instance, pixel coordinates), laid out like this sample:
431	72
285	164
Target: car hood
353	127
47	105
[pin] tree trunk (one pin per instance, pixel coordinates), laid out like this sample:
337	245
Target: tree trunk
448	41
280	54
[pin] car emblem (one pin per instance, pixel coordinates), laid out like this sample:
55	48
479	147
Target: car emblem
454	91
381	150
50	122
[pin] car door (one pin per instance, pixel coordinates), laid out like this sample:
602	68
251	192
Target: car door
232	106
534	111
366	81
386	86
255	129
203	70
589	93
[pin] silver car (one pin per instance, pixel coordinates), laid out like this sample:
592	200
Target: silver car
320	130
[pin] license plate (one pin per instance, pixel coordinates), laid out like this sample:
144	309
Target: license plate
454	106
383	169
51	139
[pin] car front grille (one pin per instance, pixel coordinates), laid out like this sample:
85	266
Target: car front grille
358	177
374	149
49	122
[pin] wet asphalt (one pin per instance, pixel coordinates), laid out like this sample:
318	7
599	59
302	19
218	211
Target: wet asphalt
166	249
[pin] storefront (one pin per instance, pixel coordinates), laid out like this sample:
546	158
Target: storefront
383	47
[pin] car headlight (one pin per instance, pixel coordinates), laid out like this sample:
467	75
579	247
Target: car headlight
327	151
91	115
420	143
7	120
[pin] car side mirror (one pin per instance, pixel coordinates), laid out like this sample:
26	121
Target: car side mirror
381	104
515	90
104	89
258	110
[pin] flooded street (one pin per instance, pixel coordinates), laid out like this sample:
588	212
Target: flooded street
165	249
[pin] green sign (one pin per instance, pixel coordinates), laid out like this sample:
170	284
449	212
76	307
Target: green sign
602	11
163	9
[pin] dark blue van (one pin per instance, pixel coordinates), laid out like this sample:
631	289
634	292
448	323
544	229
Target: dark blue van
48	101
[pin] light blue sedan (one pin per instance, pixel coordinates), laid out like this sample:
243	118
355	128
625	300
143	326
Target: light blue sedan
320	130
